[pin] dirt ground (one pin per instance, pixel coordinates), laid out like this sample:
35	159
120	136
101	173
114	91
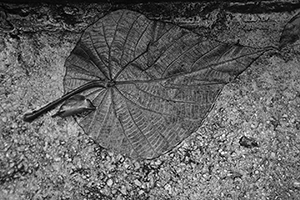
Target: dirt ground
247	148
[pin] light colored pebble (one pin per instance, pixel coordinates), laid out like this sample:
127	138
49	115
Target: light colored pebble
297	184
4	119
119	197
14	125
168	188
137	182
126	165
123	190
141	192
109	182
137	166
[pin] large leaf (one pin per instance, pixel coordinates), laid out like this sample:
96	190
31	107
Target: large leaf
291	32
160	81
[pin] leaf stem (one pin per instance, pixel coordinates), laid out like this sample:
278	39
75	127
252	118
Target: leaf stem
29	117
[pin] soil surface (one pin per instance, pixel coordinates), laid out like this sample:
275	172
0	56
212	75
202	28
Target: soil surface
247	148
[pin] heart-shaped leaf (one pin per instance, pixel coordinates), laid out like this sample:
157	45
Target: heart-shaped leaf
157	81
291	32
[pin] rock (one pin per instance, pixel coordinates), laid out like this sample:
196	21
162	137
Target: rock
109	182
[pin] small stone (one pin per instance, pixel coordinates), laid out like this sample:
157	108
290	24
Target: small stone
137	182
57	159
109	182
119	197
168	188
151	182
123	190
114	191
126	165
70	10
14	125
296	184
4	119
272	155
158	162
141	192
137	165
248	142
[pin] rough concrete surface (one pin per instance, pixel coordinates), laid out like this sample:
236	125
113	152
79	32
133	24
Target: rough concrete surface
54	159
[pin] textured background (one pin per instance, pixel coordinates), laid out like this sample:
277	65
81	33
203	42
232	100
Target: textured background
53	159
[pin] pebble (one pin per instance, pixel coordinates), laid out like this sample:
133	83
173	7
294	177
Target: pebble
123	190
141	192
137	182
119	197
296	184
272	155
126	165
137	166
14	125
4	119
168	188
70	10
109	182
